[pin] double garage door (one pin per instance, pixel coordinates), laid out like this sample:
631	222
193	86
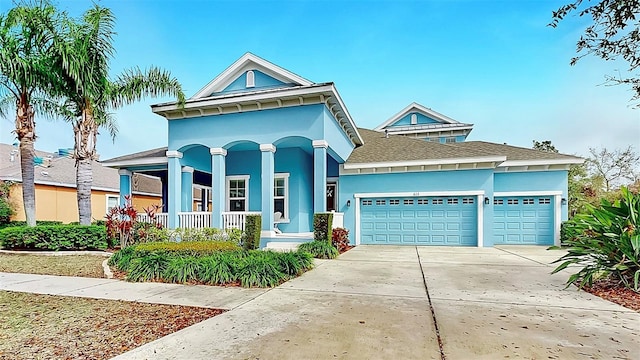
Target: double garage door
419	220
523	220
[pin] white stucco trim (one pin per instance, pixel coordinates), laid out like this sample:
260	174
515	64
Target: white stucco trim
106	199
420	109
135	162
124	172
218	151
541	162
246	191
478	193
320	144
480	159
187	169
267	147
527	193
557	219
174	154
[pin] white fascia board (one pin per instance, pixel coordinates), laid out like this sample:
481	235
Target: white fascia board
419	108
541	162
480	159
420	194
229	74
429	130
347	115
527	193
136	162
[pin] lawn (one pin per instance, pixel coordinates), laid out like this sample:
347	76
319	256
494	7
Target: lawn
58	327
67	265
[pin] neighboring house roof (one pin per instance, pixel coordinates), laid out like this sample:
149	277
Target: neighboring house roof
61	171
148	157
517	154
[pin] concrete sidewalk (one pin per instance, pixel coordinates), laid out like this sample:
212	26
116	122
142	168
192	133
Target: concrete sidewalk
156	293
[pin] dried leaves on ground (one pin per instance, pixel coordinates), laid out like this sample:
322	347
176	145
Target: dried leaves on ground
65	265
58	327
616	293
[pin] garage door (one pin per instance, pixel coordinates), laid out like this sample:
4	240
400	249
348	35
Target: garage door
419	221
523	220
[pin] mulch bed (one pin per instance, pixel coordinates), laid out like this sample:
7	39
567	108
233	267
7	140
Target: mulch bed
616	293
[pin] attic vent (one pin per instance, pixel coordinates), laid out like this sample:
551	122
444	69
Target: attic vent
251	79
414	119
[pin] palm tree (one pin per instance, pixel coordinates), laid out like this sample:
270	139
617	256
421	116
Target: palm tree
90	94
26	75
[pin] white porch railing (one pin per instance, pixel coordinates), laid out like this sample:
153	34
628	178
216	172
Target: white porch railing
161	218
194	219
236	219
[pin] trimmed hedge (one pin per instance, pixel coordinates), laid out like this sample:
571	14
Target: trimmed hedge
54	237
322	223
24	223
251	235
188	247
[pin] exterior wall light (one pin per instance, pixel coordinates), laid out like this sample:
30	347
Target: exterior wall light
563	201
486	201
348	203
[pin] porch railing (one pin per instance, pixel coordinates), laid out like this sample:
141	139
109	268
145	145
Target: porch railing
194	219
161	218
235	219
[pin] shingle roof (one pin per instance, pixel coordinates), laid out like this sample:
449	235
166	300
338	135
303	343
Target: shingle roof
62	172
159	152
512	152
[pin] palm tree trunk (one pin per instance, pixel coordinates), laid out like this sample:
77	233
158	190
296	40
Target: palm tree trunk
85	152
26	133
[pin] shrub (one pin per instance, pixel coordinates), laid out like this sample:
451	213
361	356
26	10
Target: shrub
6	208
251	236
122	259
188	247
219	269
148	267
24	223
54	237
319	249
123	226
182	269
340	239
293	263
207	234
322	223
260	271
605	243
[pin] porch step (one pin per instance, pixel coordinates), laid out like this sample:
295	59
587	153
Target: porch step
282	246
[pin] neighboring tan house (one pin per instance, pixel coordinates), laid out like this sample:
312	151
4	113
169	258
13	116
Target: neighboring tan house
55	177
261	139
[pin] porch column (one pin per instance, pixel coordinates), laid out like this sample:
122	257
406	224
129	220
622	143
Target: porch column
187	188
320	175
175	187
125	185
218	186
268	170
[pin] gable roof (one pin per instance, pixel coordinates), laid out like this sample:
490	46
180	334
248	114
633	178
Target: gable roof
249	61
415	107
147	157
61	172
518	155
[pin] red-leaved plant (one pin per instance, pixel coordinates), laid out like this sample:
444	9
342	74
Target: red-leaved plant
122	221
340	239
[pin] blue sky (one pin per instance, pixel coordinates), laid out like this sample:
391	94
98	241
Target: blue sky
495	64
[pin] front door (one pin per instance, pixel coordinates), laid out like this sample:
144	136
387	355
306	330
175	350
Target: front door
331	196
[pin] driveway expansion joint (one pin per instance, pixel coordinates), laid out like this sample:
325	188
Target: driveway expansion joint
622	311
353	293
433	312
524	257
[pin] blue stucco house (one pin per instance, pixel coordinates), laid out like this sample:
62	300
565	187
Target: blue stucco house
261	139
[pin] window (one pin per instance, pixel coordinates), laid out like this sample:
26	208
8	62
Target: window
238	198
437	201
423	201
512	201
498	202
453	201
528	202
450	139
408	201
544	201
414	119
251	79
367	202
281	194
381	202
394	202
112	201
468	200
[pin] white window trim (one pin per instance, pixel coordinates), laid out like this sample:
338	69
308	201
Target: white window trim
284	176
246	191
107	197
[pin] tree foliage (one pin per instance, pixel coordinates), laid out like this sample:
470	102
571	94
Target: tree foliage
613	33
545	146
614	167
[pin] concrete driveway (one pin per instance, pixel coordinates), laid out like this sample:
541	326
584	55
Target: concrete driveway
373	303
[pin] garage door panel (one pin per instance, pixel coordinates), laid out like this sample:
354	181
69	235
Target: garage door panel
423	220
523	220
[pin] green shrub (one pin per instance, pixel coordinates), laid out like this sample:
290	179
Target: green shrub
605	243
54	237
322	223
188	247
260	271
122	259
182	269
319	249
206	234
148	267
220	268
24	223
251	236
293	263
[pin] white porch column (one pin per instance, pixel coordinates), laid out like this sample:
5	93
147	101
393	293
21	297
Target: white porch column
175	187
218	185
320	175
125	185
267	175
187	189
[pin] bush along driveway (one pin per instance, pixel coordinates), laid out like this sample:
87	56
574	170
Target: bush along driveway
372	302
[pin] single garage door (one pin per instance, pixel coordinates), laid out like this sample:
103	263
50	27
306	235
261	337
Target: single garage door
419	220
523	220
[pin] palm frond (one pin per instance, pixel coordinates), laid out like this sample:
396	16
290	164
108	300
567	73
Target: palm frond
134	84
107	121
